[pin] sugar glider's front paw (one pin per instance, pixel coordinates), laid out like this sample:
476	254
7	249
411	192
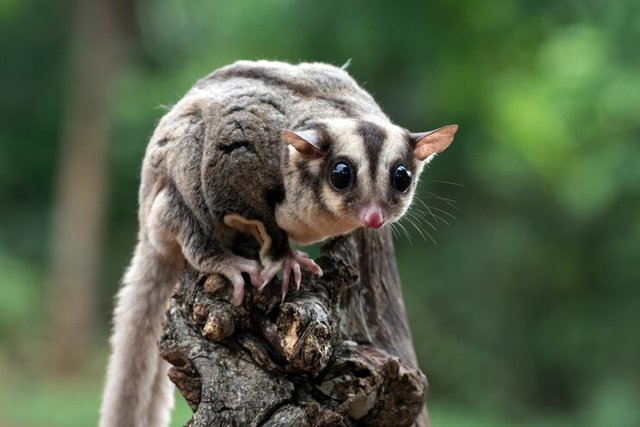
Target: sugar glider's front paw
290	265
233	267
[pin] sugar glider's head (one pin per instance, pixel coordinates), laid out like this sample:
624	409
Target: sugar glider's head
362	172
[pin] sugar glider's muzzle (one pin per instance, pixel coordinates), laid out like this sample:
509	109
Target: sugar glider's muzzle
372	215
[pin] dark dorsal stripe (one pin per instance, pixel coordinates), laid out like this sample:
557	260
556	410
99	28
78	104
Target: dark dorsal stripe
269	78
373	137
262	74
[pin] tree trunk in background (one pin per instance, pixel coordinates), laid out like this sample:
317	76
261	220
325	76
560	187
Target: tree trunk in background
79	210
337	352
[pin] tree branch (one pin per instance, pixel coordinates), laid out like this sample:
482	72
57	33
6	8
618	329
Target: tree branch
336	352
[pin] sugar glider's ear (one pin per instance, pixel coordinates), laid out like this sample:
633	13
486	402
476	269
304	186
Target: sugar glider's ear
306	142
435	141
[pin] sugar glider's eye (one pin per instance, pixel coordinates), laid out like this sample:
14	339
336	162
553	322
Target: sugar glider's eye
341	176
401	179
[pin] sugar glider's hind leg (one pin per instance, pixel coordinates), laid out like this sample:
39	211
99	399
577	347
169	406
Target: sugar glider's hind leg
201	249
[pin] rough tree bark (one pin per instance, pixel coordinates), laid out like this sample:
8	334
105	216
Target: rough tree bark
336	352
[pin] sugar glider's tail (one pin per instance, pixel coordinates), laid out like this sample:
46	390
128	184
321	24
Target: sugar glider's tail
137	391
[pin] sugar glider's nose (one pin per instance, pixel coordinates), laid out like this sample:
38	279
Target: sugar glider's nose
372	215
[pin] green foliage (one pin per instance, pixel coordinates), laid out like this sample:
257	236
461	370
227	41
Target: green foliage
20	305
61	404
527	305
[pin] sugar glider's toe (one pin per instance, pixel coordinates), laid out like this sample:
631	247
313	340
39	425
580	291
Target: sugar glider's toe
232	269
290	265
269	272
308	263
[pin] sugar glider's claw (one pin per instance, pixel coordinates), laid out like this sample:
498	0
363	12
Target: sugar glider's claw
238	289
308	263
233	269
297	274
251	268
290	266
286	277
268	274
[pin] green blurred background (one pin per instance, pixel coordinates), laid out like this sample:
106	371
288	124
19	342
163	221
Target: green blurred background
523	313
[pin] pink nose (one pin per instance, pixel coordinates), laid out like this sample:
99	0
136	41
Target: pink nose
372	216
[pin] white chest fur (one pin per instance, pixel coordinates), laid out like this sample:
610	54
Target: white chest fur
306	225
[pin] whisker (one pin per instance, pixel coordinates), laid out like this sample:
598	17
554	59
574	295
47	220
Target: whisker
433	195
437	218
410	221
406	233
444	212
457	184
449	202
429	209
442	219
436	196
393	230
421	218
422	233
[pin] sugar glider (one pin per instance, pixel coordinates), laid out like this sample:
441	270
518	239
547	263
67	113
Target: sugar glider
287	152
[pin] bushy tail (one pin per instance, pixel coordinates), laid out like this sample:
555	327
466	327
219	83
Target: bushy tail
137	392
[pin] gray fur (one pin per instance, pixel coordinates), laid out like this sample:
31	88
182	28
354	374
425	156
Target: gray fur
220	152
